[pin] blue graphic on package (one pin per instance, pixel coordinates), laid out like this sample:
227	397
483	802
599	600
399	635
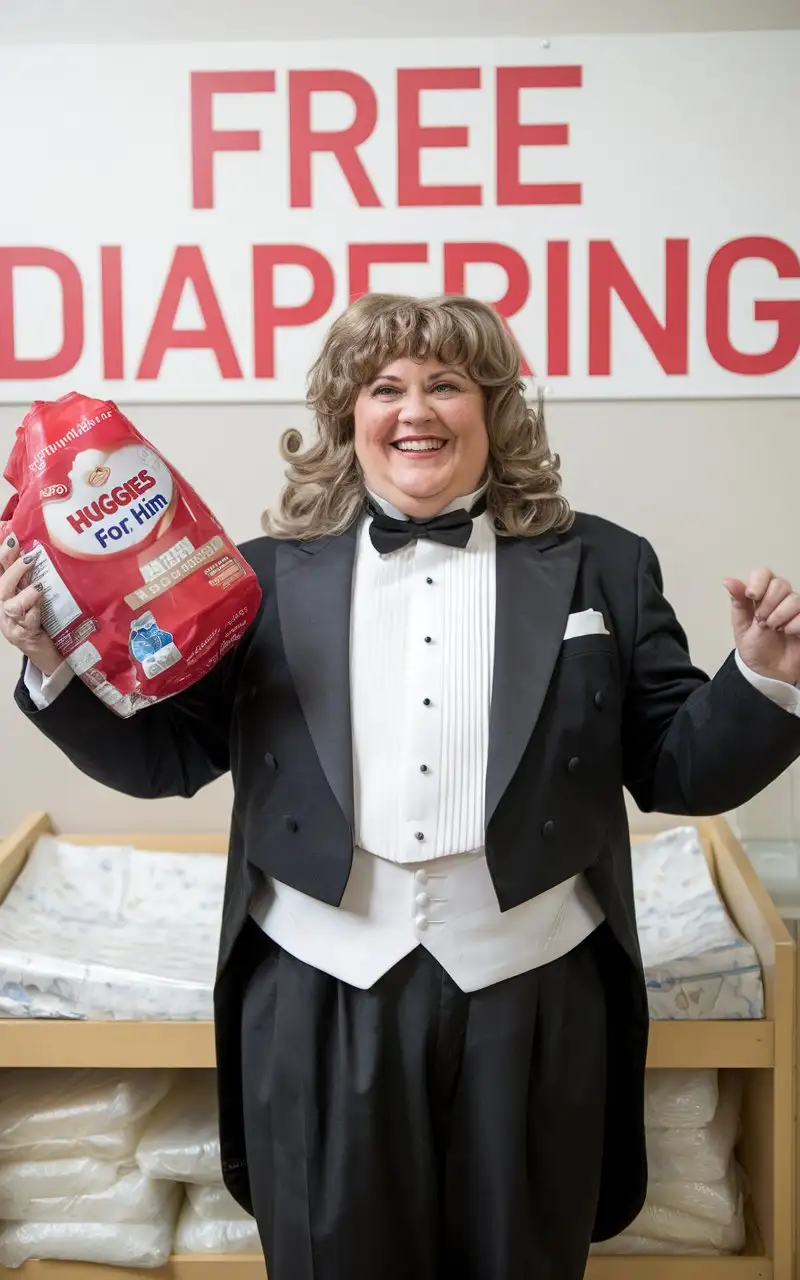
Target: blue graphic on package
147	640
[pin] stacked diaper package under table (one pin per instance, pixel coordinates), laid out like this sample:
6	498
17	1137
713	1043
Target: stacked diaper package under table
123	1167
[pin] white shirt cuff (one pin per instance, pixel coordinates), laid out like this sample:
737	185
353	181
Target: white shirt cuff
43	690
784	695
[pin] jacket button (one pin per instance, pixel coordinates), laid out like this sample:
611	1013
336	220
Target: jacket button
574	764
548	828
290	823
270	761
599	699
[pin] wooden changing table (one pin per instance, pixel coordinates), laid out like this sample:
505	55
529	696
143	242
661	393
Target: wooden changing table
764	1050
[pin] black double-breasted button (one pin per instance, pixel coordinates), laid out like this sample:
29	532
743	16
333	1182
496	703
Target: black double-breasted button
270	761
548	829
599	699
290	823
574	764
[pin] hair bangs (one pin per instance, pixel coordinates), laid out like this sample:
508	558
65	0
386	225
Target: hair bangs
381	328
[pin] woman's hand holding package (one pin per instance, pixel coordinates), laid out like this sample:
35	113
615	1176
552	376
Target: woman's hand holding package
21	609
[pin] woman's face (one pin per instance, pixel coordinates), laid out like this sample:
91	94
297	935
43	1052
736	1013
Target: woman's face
420	435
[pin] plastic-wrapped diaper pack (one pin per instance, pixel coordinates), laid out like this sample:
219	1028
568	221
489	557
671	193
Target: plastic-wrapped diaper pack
660	1230
215	1204
132	1198
141	1244
23	1182
207	1235
181	1142
719	1202
47	1110
628	1243
682	1229
69	1186
681	1098
695	1195
702	1154
143	592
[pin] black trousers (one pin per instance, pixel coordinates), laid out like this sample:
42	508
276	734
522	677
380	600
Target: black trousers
414	1132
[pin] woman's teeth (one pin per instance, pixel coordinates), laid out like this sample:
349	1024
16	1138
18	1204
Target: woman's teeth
419	446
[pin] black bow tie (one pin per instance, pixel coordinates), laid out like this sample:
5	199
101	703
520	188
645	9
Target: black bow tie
453	528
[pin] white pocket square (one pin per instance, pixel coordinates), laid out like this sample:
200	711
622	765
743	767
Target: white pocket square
589	622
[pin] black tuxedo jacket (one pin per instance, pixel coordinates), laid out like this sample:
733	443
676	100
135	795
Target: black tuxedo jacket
572	723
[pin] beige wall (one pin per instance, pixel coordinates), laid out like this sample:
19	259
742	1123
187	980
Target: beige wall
712	484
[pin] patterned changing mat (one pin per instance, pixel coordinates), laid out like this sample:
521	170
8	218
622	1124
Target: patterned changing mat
696	962
94	932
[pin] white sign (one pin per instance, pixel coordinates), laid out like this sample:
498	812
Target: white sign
182	223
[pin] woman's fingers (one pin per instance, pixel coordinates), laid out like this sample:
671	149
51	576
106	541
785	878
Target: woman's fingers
11	580
9	551
18	607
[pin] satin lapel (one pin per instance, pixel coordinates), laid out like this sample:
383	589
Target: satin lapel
314	584
535	585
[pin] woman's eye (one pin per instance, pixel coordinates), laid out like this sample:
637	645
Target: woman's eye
387	392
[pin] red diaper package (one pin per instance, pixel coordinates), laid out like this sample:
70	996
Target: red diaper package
142	590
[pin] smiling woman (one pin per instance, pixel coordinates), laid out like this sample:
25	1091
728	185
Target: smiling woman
420	435
431	1016
420	401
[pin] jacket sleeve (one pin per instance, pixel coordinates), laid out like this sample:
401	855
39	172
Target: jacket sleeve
170	749
692	745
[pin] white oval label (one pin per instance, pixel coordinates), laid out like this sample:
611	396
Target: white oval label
117	501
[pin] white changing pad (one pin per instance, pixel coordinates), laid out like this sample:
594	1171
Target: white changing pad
697	964
112	933
120	933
